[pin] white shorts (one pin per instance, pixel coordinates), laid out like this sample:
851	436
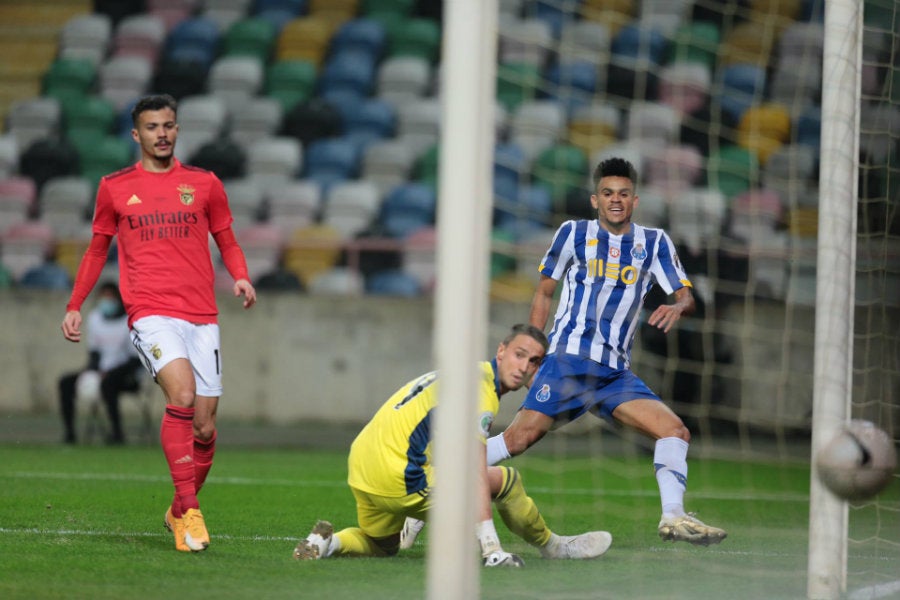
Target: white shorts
160	340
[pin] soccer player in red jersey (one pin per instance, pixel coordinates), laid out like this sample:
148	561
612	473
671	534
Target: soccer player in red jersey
163	213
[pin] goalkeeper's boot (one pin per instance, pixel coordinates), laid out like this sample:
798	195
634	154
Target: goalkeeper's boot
316	544
688	528
499	558
586	545
409	533
176	526
195	535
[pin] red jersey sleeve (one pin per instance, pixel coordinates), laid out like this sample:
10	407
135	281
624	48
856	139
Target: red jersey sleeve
219	213
105	221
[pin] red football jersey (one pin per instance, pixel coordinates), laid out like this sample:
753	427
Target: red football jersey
163	222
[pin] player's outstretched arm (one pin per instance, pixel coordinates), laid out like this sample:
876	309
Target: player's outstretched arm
666	315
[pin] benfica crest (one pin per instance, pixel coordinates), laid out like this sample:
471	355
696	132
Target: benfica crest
186	194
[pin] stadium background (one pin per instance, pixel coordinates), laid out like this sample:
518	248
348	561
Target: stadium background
322	119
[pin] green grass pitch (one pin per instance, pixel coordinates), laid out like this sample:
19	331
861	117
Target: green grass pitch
86	522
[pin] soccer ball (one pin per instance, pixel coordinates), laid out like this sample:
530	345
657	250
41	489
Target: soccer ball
858	462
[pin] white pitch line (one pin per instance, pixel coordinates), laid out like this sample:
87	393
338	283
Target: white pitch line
881	590
743	496
95	533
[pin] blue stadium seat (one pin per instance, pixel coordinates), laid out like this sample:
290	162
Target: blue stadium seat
556	13
332	159
573	83
529	209
372	120
510	163
278	17
742	86
639	42
295	7
196	38
407	208
351	70
393	283
363	35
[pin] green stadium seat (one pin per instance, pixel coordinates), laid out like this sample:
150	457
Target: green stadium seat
695	42
67	75
87	114
426	169
415	37
101	155
379	8
560	169
517	82
291	82
252	36
732	170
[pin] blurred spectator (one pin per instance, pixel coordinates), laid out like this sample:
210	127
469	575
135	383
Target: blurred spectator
49	275
280	279
113	365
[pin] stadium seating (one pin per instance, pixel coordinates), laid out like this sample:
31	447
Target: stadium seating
594	126
86	37
387	164
393	283
732	170
361	35
124	78
685	86
223	156
351	207
419	124
88	115
743	85
418	257
69	76
236	79
25	245
18	195
338	281
559	169
196	39
312	251
290	82
402	78
653	122
406	208
34	119
140	35
65	203
250	36
278	158
260	117
763	129
246	200
525	41
47	158
349	70
675	167
697	218
294	204
332	159
311	120
697	41
305	38
537	125
9	155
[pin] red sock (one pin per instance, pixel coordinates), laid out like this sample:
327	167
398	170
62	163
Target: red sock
203	459
177	438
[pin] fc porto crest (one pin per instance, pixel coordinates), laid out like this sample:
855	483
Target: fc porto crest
639	252
186	194
543	394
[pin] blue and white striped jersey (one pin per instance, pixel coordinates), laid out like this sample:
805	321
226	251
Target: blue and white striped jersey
605	280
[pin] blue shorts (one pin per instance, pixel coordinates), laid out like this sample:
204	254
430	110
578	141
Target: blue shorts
567	386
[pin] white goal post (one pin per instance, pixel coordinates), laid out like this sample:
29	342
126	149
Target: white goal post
835	290
463	226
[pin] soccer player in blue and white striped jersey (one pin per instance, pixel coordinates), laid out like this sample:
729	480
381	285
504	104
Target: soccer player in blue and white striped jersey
607	266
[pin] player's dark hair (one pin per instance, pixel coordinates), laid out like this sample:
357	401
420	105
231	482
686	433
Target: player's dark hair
529	330
615	167
154	102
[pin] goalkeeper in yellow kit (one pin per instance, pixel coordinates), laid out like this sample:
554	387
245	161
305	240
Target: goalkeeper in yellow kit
391	474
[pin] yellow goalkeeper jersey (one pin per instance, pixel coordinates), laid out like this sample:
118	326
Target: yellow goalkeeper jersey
391	456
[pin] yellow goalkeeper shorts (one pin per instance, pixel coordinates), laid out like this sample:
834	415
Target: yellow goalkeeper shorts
381	517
